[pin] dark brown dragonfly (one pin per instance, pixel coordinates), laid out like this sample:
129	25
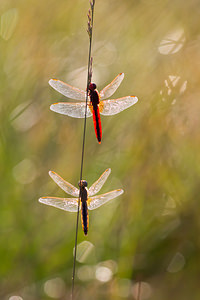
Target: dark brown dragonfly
87	198
96	105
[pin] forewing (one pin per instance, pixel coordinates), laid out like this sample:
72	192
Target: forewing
67	90
95	188
68	204
112	87
97	201
75	110
115	106
64	185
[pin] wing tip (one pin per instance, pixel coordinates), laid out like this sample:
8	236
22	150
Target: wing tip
41	199
108	170
121	191
51	81
51	172
52	108
135	99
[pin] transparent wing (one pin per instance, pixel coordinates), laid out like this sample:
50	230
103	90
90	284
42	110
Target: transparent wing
68	204
75	110
95	188
64	185
112	87
115	106
67	90
97	201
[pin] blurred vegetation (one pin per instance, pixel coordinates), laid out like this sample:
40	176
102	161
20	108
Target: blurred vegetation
151	233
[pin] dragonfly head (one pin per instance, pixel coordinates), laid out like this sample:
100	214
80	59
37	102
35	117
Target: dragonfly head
82	183
92	87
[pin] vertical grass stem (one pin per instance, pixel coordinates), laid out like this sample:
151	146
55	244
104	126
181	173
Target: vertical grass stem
89	76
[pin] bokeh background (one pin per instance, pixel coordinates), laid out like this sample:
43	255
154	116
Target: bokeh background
147	240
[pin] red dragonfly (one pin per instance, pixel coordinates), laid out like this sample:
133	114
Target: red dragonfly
96	105
86	201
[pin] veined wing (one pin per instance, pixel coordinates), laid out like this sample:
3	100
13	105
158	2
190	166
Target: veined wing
68	204
112	87
75	110
115	106
67	90
97	201
95	188
64	185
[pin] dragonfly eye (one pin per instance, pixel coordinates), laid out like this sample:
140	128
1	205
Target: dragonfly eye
92	86
82	183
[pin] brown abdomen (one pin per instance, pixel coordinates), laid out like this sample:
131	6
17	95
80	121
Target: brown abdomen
84	217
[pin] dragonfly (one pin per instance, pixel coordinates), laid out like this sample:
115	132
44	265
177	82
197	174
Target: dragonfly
87	197
95	106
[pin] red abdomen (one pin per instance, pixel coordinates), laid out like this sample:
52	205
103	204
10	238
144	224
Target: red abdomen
94	98
97	123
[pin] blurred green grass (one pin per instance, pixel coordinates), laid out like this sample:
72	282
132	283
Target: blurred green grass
151	232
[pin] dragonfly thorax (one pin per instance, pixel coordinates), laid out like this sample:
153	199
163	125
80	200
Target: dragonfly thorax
83	190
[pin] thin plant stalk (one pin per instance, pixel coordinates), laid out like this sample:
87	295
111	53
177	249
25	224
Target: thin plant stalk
139	290
89	76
